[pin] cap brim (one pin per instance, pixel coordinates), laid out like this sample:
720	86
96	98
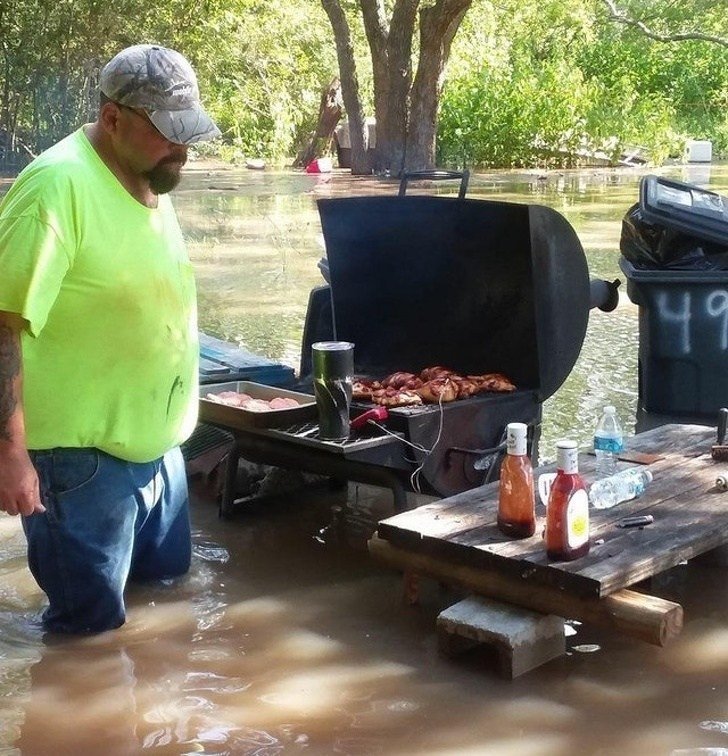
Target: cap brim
185	126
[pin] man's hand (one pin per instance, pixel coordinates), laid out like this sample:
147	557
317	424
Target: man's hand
19	489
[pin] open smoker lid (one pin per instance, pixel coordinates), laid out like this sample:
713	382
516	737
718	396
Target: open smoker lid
474	285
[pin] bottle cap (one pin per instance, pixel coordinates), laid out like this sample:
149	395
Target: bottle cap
516	438
610	409
649	477
567	456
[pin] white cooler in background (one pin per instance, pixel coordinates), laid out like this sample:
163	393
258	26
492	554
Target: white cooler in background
698	151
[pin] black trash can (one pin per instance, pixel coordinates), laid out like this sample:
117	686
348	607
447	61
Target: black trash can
683	312
683	339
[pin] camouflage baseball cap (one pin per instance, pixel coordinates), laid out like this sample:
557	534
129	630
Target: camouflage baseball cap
161	82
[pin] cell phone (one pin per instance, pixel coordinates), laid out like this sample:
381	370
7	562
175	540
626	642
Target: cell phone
637	521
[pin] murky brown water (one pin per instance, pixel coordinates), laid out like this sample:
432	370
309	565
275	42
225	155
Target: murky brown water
284	638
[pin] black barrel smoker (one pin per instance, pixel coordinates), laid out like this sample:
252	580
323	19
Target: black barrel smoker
476	286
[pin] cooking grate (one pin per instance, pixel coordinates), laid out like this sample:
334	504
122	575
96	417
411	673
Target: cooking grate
309	433
203	439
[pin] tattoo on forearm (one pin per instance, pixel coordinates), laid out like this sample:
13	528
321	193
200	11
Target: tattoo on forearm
9	371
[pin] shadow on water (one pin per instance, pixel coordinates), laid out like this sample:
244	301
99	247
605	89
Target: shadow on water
285	637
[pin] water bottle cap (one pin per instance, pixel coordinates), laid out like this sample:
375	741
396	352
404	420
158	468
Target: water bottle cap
610	409
648	475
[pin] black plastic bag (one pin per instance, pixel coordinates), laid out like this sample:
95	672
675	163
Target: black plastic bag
648	245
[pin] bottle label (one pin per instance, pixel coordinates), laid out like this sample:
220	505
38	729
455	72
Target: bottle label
608	444
577	519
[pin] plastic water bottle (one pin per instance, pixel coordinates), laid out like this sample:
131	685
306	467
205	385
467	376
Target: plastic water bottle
608	442
623	486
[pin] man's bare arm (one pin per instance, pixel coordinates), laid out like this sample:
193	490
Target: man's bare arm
19	490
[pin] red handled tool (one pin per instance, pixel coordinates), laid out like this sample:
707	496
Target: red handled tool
376	413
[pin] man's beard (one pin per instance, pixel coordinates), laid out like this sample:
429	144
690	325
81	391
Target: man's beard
165	175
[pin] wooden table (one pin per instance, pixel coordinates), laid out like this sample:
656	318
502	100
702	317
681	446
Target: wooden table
456	540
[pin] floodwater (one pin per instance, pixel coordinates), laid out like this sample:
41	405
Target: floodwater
284	637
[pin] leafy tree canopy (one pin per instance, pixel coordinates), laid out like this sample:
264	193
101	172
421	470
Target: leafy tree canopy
528	81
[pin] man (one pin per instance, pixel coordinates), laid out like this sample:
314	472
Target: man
98	345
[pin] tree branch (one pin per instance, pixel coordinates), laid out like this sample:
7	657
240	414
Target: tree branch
375	24
621	17
349	84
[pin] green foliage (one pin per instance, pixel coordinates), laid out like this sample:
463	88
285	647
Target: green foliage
263	66
691	76
553	82
529	81
507	118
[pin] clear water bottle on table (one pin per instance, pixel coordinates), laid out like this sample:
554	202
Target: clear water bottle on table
623	486
608	442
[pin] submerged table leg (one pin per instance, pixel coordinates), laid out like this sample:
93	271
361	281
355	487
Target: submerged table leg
231	475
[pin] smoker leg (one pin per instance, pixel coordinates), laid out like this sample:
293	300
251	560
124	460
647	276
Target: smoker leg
399	495
231	477
378	476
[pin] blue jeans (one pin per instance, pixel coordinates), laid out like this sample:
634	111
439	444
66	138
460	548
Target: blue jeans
106	521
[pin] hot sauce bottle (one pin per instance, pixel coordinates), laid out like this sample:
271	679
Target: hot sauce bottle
516	497
567	513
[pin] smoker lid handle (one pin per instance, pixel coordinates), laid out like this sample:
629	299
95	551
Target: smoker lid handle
604	294
463	175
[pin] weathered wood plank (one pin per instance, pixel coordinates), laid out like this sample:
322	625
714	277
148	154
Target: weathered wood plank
463	528
459	513
687	509
673	438
638	615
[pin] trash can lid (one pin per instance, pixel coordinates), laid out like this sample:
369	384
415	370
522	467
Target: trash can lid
685	207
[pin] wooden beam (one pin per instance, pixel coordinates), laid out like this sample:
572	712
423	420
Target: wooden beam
638	615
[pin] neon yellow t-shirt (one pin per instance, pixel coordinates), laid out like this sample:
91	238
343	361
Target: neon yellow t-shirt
110	358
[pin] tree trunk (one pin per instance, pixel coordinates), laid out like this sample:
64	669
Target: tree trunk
375	26
399	49
406	112
349	86
391	50
328	118
438	26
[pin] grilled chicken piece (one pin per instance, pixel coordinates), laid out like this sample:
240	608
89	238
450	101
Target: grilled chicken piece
433	385
439	390
496	382
466	387
438	371
392	397
361	389
398	380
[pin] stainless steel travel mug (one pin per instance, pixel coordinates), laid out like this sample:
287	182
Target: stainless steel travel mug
333	373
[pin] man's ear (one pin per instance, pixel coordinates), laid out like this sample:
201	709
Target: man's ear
109	117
